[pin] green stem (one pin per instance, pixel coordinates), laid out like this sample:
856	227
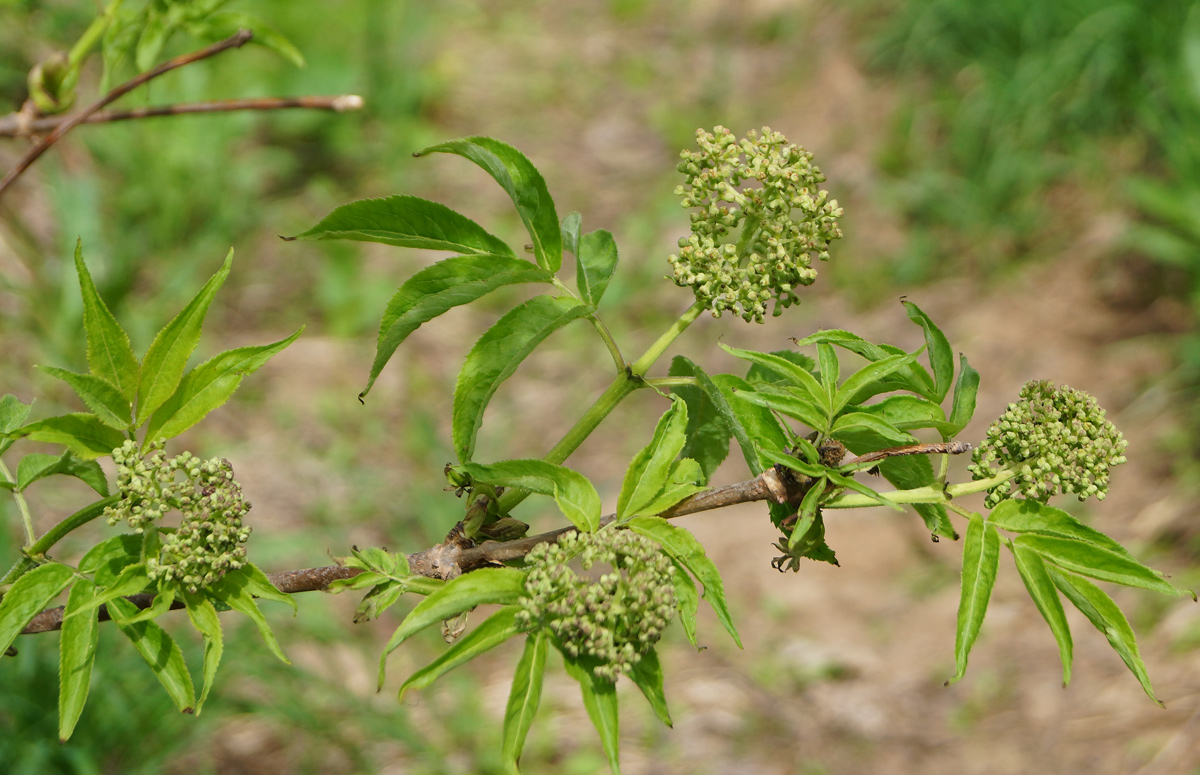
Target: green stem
930	494
609	342
53	536
746	238
22	506
90	38
629	380
670	382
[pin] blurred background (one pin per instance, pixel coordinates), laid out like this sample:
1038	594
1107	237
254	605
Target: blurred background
1027	172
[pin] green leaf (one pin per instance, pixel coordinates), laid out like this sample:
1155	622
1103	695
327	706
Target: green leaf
600	701
1021	515
160	652
830	370
496	356
682	546
911	377
808	533
150	42
798	377
1102	612
790	403
76	655
221	25
435	289
81	433
493	631
708	432
981	558
595	263
908	413
28	595
1097	562
108	404
259	585
685	479
905	473
236	590
650	468
820	472
941	357
575	495
203	616
107	559
36	466
160	605
762	373
571	225
1041	589
525	186
207	387
523	698
963	405
163	366
109	354
864	380
502	586
408	222
754	426
687	601
647	673
131	581
12	414
867	425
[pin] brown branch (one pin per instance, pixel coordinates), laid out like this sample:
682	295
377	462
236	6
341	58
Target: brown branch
20	125
457	554
239	39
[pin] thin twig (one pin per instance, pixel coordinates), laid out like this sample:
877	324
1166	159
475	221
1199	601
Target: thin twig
239	39
456	556
17	125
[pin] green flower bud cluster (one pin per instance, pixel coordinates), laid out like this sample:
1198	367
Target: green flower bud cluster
614	617
1056	440
773	256
210	539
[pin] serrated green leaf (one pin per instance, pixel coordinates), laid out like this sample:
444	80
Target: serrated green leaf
28	595
105	401
163	366
708	432
1104	614
523	698
261	587
1020	515
754	426
131	581
207	387
161	653
595	263
830	370
490	633
807	533
909	413
798	377
759	372
1096	562
203	616
650	468
575	495
1041	590
571	226
361	581
408	222
447	284
502	586
76	655
36	466
981	558
788	402
234	590
912	377
109	354
221	25
378	559
687	601
685	479
863	425
378	600
524	185
81	433
108	558
861	382
647	673
12	413
965	388
160	605
941	357
682	546
600	702
496	356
